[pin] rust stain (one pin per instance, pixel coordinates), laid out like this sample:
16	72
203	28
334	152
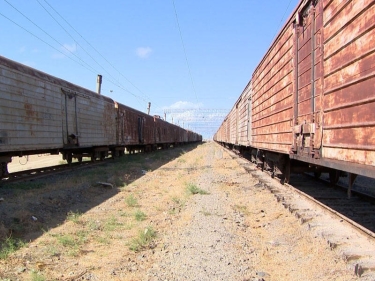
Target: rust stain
30	112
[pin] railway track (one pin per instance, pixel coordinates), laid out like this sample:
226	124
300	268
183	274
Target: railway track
32	174
348	225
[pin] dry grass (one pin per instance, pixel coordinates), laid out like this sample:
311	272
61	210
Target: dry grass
123	225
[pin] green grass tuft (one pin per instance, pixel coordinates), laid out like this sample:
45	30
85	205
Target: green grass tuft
9	246
140	216
144	237
73	216
131	201
194	189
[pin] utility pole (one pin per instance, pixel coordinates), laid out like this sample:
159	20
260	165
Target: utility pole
148	108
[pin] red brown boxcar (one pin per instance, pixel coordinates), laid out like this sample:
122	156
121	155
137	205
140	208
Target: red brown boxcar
310	103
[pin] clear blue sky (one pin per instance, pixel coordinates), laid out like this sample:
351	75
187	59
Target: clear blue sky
174	53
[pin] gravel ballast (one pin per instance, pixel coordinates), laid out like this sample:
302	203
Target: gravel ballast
212	220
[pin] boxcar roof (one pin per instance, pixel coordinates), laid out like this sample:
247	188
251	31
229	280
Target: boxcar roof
49	78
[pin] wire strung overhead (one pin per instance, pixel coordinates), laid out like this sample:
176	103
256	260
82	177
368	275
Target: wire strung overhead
69	53
183	46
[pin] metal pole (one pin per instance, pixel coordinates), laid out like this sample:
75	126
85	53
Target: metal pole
99	84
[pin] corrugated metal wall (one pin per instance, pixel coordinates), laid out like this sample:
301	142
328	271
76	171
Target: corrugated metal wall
349	71
31	116
272	99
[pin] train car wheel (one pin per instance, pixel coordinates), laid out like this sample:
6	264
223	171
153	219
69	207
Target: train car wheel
93	156
317	174
117	153
79	159
102	156
3	169
334	176
286	171
69	158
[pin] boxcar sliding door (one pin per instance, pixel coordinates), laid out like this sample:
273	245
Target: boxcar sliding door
308	69
70	123
140	130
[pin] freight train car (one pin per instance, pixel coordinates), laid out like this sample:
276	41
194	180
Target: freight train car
40	113
311	100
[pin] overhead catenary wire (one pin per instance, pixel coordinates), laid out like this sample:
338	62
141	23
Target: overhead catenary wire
69	54
45	42
281	20
51	37
71	36
104	58
183	46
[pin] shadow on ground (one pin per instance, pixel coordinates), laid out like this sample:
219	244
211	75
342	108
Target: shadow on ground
28	209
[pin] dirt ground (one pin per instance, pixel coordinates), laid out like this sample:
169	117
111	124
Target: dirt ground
188	213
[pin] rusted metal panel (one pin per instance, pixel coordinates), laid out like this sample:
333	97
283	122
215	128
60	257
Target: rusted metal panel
41	112
349	102
244	118
91	118
221	134
136	127
314	89
30	110
272	99
232	126
308	80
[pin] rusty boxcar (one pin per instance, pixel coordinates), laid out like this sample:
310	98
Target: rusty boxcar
43	114
40	113
311	100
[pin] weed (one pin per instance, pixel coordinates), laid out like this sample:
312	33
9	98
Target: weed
37	276
10	245
94	225
140	216
123	187
52	250
177	206
118	181
131	201
66	240
144	237
125	214
73	216
103	240
82	236
74	252
241	208
206	213
71	243
111	224
128	226
194	189
180	202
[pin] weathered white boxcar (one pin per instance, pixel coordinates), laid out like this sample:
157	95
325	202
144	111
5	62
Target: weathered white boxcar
44	114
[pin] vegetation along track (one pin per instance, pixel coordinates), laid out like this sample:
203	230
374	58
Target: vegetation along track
346	224
188	213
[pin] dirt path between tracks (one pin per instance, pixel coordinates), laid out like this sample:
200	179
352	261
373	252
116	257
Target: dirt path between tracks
184	214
